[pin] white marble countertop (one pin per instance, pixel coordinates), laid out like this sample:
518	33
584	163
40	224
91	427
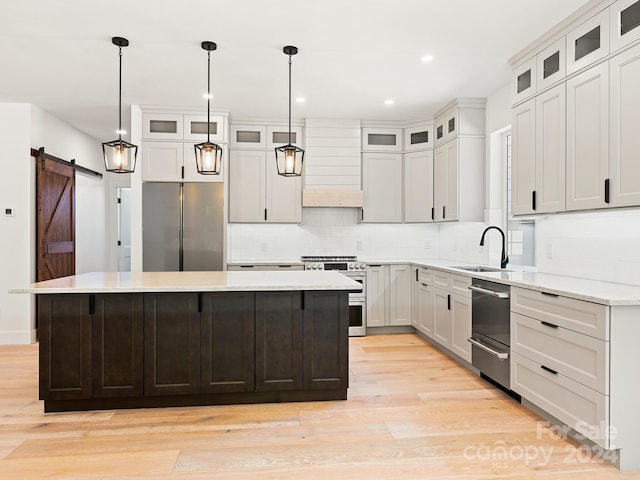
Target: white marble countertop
605	293
113	282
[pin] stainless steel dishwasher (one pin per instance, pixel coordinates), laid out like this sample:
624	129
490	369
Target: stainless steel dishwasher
490	330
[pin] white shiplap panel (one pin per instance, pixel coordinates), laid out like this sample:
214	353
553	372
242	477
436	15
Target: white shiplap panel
328	170
334	161
335	181
332	152
332	132
352	142
332	123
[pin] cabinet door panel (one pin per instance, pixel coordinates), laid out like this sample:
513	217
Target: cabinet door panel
278	341
377	295
283	194
625	23
246	186
550	150
162	161
382	185
172	343
625	125
461	326
523	154
326	340
446	182
399	295
117	345
227	359
65	352
418	186
426	309
587	138
442	318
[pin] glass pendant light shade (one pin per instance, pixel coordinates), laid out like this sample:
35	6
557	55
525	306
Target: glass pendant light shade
208	158
208	154
119	156
289	158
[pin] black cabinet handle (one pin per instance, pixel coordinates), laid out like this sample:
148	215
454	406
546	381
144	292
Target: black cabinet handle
443	212
533	200
448	302
424	284
547	324
92	304
416	274
433	213
371	265
302	300
265	214
607	186
549	294
548	369
246	266
362	214
199	303
182	172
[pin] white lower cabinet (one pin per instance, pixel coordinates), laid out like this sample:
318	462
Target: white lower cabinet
389	295
422	302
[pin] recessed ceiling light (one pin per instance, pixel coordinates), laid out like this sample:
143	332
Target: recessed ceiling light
301	99
426	58
388	102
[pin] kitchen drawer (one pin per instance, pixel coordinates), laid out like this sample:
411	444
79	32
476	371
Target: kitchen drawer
579	407
460	285
580	357
577	315
425	276
441	279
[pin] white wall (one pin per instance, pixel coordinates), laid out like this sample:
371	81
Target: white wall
17	188
331	231
22	127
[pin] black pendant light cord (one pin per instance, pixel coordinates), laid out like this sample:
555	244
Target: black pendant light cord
208	95
120	96
289	99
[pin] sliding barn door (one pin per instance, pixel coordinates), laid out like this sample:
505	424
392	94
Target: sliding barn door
56	220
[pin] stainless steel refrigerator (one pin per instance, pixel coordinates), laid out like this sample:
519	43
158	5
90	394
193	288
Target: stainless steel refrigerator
182	226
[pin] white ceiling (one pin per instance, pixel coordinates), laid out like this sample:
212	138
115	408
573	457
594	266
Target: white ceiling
354	54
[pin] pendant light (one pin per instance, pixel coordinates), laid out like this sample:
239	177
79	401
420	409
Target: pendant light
119	156
289	157
208	155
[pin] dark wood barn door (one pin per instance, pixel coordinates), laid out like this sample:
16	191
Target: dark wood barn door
55	204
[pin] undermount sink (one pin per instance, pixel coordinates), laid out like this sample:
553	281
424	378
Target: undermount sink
479	269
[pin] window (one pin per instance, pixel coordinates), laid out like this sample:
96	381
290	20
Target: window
521	233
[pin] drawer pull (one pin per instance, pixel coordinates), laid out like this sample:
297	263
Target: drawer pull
550	294
548	369
547	324
424	284
495	353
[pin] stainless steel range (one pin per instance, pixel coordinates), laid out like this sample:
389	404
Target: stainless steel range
355	270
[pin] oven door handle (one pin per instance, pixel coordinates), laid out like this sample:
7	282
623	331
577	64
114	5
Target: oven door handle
488	292
495	353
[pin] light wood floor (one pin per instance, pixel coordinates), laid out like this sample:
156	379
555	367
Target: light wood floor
412	413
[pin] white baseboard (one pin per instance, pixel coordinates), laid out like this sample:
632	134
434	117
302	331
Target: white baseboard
18	338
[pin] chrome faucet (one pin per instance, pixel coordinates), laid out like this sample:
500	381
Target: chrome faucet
504	258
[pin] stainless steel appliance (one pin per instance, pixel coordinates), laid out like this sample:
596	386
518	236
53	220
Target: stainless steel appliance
490	325
355	270
182	226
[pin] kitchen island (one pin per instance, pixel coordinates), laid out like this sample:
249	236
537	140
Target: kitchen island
151	339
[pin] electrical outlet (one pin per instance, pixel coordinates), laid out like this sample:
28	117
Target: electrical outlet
359	245
549	250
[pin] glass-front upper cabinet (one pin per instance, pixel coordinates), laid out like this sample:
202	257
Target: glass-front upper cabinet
588	43
624	16
248	137
418	138
195	128
551	64
278	135
523	82
161	126
382	139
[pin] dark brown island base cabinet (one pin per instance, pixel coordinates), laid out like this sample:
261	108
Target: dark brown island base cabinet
128	350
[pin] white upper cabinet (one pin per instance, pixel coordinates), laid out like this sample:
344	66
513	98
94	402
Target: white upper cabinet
418	138
382	185
162	161
382	139
446	182
248	137
523	81
195	128
587	138
447	126
588	43
624	167
624	16
418	186
283	199
523	153
278	135
162	126
551	64
191	170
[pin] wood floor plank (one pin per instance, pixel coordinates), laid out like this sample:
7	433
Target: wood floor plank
412	413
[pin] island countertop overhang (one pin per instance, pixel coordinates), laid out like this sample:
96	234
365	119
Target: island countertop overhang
220	281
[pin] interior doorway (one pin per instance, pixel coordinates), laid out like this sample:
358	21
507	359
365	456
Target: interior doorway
124	229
